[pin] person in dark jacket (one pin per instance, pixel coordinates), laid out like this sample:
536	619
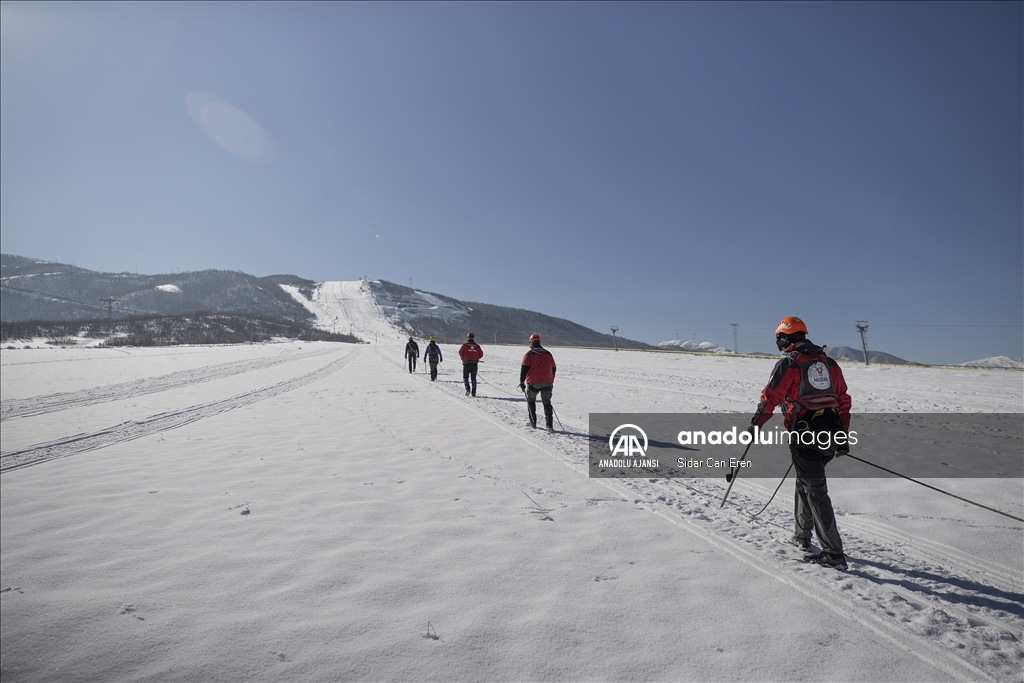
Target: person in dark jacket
433	356
412	352
812	391
470	353
537	376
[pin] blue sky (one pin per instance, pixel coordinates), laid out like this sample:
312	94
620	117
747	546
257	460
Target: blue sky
669	168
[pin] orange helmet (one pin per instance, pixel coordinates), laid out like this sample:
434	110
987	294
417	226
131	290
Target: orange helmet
790	325
534	337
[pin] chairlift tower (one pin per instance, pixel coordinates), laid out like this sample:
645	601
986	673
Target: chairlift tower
735	344
615	339
862	327
110	301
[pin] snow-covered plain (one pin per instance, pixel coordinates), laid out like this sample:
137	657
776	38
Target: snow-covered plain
302	511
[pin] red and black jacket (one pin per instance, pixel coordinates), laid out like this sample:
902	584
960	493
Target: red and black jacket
538	367
804	381
470	352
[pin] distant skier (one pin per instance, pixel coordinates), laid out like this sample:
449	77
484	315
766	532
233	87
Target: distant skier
412	352
433	356
812	391
537	376
470	353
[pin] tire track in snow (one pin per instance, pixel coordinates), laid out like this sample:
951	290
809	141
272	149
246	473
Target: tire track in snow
961	649
51	403
131	430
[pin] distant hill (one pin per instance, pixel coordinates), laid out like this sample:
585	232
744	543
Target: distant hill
425	314
849	353
32	290
687	345
995	362
39	290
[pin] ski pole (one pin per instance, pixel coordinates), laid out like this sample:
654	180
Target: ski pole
555	413
731	477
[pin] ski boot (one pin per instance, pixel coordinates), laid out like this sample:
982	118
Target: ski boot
827	559
801	542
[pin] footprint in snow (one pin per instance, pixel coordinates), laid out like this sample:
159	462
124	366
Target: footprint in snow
130	609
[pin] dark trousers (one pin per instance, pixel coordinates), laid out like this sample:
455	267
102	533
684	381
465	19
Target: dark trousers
531	403
433	370
469	369
412	363
813	507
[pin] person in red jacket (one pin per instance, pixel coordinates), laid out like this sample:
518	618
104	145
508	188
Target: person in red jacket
810	387
470	353
537	376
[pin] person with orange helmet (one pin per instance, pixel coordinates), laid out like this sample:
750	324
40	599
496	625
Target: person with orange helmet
537	376
812	391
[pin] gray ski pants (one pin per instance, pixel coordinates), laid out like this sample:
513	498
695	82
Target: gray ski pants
813	507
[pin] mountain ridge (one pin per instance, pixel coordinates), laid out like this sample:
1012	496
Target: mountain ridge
36	290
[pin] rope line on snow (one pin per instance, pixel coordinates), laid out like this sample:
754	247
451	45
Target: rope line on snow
484	380
947	493
773	494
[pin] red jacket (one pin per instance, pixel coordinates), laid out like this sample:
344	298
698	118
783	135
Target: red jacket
805	380
470	352
538	367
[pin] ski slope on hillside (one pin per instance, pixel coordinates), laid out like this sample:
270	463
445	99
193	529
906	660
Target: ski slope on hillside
350	307
301	511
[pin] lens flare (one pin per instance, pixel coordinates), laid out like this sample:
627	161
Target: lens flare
230	127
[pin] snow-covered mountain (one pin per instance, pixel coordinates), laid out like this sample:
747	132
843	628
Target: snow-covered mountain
687	345
382	310
995	362
850	353
39	290
33	290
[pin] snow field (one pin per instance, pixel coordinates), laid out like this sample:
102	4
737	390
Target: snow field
377	500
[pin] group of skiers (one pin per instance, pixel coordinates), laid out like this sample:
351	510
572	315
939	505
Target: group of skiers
807	384
536	375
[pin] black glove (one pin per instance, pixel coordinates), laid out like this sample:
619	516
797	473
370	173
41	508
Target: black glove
842	450
522	386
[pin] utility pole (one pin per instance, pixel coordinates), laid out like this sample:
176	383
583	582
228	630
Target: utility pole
862	327
410	283
110	301
615	339
735	344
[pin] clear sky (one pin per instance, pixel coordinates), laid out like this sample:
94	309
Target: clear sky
669	168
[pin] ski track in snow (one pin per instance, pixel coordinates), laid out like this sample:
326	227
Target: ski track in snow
39	405
130	430
960	614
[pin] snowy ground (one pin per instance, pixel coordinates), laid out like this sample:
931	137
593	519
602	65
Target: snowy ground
301	511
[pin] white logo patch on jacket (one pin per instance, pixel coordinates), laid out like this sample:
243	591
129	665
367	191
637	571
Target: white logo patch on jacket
818	377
